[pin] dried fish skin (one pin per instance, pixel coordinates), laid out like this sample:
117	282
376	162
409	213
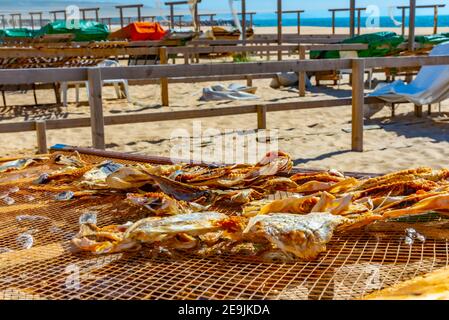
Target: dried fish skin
434	203
304	236
394	177
127	178
331	187
157	229
103	240
298	205
173	232
301	178
236	197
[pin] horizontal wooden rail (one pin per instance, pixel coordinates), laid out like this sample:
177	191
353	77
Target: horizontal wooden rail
44	75
179	115
7	52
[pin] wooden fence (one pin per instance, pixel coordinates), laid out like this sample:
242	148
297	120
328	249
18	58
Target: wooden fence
187	52
96	75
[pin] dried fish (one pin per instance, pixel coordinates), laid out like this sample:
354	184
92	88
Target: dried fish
73	160
304	236
20	164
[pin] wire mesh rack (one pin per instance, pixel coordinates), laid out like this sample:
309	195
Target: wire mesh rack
355	263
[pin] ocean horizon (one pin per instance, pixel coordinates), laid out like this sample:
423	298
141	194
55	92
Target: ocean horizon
290	20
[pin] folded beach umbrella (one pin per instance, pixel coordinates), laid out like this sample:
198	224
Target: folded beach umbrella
83	31
140	31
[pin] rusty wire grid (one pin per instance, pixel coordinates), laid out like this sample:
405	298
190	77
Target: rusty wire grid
355	263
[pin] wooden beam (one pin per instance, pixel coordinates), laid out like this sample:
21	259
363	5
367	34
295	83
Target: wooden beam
261	117
411	27
96	107
302	74
403	22
41	134
172	16
352	18
418	111
43	75
244	20
358	99
279	15
163	56
333	22
435	20
85	122
358	21
121	17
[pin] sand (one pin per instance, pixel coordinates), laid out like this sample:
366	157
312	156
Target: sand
316	138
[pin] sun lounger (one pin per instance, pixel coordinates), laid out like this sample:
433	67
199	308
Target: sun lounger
431	85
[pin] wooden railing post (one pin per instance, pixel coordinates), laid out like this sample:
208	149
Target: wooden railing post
302	74
249	81
95	84
164	81
261	117
418	111
358	99
41	133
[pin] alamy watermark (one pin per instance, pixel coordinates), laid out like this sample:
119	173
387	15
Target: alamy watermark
207	144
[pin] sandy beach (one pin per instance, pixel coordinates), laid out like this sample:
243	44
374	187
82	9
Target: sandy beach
316	138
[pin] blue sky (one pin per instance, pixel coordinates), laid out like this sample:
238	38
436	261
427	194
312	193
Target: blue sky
317	8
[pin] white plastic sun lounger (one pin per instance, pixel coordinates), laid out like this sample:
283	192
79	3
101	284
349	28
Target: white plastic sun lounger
431	85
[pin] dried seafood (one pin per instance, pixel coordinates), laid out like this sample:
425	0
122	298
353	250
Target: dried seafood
179	200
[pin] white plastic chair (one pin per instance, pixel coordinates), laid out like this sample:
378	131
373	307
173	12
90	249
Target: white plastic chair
116	83
353	55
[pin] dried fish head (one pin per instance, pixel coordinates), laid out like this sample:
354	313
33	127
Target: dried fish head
181	191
